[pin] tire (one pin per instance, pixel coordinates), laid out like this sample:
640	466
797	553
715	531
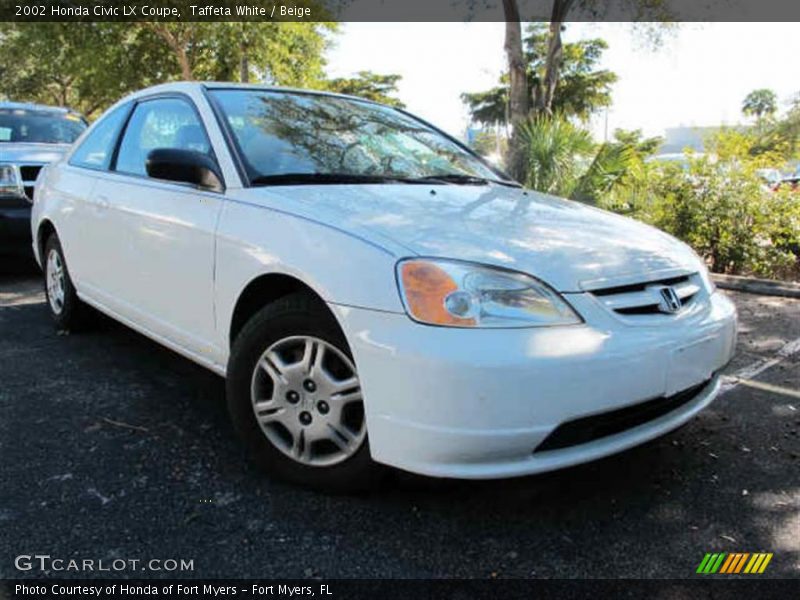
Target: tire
285	365
67	310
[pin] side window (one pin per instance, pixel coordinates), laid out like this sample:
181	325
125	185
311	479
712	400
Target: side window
95	151
160	123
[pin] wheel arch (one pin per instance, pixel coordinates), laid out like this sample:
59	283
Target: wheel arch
263	290
43	232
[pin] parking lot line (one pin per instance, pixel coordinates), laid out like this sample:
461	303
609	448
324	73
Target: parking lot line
768	387
752	370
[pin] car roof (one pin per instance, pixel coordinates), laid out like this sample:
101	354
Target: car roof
185	86
41	108
37	107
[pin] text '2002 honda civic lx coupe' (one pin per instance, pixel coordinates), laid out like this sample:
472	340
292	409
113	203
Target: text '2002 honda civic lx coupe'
372	290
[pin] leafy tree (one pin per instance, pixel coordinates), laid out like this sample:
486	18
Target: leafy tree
520	104
776	136
366	84
643	147
582	88
59	63
760	103
283	53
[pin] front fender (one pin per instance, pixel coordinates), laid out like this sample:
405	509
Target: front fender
341	267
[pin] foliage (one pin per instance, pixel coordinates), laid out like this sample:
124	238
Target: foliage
720	208
778	136
582	87
760	103
490	144
366	84
757	148
489	107
717	205
59	63
562	159
642	147
283	53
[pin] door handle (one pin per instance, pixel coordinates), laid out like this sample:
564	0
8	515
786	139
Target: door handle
103	202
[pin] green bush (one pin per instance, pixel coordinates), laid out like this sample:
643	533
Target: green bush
720	209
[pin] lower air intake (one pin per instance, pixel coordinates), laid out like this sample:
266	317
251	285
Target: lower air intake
594	427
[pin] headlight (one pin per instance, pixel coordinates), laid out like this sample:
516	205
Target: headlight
10	183
461	294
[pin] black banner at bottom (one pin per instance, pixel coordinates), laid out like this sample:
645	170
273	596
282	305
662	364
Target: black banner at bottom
405	589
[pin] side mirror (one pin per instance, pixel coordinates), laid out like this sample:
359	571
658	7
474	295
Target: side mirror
184	166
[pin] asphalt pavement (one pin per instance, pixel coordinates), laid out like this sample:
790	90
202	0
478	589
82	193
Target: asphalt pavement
112	447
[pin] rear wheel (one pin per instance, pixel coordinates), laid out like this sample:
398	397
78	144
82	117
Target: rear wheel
66	309
295	397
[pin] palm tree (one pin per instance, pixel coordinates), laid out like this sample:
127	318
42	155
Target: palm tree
562	159
760	103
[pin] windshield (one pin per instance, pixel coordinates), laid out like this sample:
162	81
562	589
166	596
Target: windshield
295	138
39	126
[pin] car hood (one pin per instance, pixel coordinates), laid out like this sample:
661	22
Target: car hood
31	153
567	244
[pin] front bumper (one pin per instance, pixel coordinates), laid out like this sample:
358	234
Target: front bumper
475	404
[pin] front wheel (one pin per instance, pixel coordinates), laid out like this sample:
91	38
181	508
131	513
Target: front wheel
295	398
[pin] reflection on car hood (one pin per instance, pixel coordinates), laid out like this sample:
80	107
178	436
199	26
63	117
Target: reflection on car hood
31	153
567	244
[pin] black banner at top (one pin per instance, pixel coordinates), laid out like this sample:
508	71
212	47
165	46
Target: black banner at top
396	10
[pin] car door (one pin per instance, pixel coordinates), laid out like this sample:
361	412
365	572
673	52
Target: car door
83	222
159	268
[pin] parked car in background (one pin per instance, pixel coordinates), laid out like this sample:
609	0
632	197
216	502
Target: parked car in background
31	135
373	291
772	178
792	182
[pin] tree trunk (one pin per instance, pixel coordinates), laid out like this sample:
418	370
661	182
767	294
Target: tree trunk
244	66
244	60
518	106
177	45
544	96
183	60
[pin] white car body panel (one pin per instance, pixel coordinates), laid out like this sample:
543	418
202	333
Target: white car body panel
172	261
567	244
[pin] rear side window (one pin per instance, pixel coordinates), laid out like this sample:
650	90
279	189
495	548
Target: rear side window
160	123
96	150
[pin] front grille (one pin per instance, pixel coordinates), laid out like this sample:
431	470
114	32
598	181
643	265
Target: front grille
595	427
644	298
29	174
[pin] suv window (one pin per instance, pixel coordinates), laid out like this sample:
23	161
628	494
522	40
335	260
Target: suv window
36	126
160	123
95	151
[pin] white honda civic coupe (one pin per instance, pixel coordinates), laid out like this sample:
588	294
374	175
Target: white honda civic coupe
373	291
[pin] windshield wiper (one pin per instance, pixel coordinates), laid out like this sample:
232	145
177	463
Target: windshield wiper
322	179
461	179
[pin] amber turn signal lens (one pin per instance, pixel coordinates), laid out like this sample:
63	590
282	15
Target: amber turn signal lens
426	286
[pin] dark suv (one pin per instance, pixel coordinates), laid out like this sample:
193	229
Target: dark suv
31	135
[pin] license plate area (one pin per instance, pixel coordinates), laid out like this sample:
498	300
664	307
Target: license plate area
691	364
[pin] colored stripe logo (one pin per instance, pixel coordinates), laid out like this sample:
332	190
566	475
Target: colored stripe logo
734	562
